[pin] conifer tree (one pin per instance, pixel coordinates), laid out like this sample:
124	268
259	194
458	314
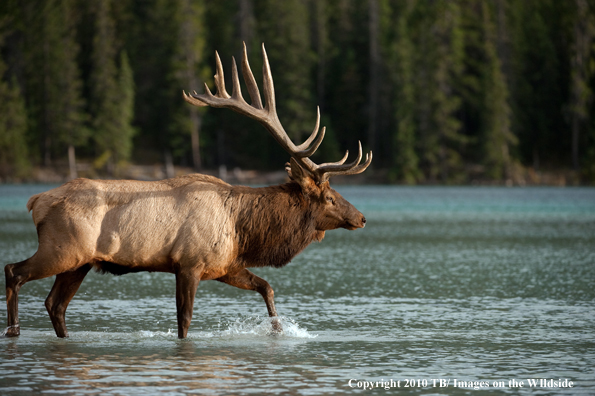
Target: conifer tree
189	72
496	136
348	76
112	93
52	72
440	57
125	114
581	64
406	161
538	82
14	163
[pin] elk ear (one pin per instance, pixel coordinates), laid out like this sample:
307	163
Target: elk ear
299	175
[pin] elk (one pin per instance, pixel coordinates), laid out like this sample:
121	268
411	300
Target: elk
196	226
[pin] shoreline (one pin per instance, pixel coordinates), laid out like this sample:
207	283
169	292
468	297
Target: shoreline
522	176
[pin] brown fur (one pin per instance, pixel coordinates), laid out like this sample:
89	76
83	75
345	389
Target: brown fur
197	227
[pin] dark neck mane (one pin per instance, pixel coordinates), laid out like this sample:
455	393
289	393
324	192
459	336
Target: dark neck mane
273	224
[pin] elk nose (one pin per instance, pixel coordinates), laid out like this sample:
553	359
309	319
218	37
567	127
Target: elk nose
363	221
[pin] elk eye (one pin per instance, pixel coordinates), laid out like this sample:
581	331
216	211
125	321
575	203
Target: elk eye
330	200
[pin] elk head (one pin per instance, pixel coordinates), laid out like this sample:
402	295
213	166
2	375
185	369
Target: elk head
330	208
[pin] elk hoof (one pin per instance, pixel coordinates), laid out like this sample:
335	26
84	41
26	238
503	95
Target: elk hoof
277	329
12	331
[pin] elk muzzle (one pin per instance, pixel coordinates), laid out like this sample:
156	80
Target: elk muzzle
355	222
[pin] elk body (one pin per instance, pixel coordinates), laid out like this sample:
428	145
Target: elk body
196	227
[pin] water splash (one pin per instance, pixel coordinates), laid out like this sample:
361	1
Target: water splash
244	326
259	326
151	334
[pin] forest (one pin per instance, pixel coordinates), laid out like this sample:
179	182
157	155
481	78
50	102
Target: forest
442	91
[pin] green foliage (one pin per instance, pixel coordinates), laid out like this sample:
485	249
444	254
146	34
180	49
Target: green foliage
112	93
443	91
406	164
14	163
539	81
49	62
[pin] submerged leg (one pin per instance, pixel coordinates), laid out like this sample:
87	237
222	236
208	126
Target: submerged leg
41	265
186	285
13	285
248	281
65	287
17	275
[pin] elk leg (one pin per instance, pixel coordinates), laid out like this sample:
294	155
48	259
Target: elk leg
248	281
39	266
186	285
65	287
13	285
17	275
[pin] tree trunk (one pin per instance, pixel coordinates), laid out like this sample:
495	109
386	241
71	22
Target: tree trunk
169	165
72	162
374	69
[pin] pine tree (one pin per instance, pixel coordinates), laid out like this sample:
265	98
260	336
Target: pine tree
374	68
112	93
123	140
406	161
581	63
189	71
52	72
538	82
347	75
496	135
322	47
439	68
14	162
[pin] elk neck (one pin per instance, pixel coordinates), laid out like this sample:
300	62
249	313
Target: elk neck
273	224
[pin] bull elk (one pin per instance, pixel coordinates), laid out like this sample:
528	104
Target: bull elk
195	226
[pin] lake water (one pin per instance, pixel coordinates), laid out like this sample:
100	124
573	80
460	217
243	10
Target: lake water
457	290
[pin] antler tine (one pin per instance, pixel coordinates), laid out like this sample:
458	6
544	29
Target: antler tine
308	152
308	141
341	167
192	100
220	79
267	82
250	81
340	162
350	169
236	92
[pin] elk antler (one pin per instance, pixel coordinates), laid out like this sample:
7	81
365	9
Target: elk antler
267	116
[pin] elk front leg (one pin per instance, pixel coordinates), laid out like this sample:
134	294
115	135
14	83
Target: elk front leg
248	281
65	287
186	285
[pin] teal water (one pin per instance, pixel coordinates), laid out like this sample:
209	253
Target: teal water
480	285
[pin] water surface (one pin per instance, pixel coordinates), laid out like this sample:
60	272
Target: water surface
468	284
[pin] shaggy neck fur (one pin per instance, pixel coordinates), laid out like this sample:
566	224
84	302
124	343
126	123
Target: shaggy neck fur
273	224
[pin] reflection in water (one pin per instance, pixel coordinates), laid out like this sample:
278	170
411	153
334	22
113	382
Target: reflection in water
468	283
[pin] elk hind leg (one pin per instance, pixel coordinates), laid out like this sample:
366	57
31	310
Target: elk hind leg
39	266
65	287
248	281
14	281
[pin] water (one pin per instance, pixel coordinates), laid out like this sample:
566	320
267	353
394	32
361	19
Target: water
485	285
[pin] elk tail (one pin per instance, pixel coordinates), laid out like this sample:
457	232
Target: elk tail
32	201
